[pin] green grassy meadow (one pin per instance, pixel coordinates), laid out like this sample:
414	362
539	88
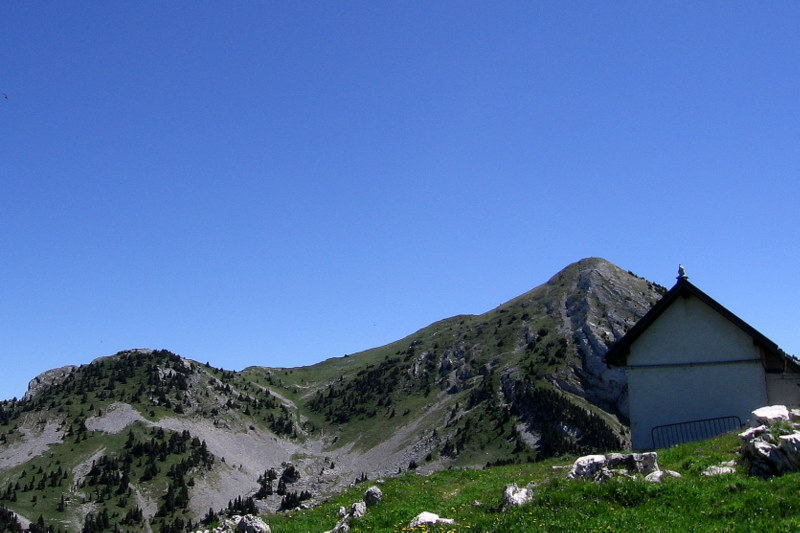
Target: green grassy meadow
730	503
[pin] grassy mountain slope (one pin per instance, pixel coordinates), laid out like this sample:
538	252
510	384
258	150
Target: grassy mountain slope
542	350
150	441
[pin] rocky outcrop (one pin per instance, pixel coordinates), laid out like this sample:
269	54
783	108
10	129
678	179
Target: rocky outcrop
634	463
47	379
601	467
239	524
590	467
772	448
372	496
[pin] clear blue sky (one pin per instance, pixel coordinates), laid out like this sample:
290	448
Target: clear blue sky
276	183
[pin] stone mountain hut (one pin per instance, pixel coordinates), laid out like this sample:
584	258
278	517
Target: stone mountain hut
696	370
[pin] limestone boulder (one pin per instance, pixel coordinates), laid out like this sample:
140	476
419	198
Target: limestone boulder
252	524
633	463
340	527
239	524
601	467
658	476
764	459
753	433
426	517
372	496
718	470
645	463
358	510
515	496
773	447
771	413
789	445
591	467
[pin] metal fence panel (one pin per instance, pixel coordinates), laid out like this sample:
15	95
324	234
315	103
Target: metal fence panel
693	430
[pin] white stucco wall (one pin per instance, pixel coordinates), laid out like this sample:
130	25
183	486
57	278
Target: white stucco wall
783	389
687	333
672	395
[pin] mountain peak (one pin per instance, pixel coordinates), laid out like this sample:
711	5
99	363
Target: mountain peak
587	263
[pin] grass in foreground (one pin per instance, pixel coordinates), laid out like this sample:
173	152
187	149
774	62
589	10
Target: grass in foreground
732	503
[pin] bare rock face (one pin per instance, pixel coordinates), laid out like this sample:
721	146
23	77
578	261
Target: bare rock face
604	302
47	379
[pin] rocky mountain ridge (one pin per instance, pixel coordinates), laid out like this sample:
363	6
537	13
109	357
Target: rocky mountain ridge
522	381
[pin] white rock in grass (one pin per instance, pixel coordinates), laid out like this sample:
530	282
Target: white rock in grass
429	518
646	463
373	495
659	475
790	446
591	467
752	433
718	470
514	496
358	510
251	524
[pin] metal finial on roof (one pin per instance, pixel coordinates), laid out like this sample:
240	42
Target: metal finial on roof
682	273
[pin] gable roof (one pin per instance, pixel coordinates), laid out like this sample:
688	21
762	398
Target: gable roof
617	355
